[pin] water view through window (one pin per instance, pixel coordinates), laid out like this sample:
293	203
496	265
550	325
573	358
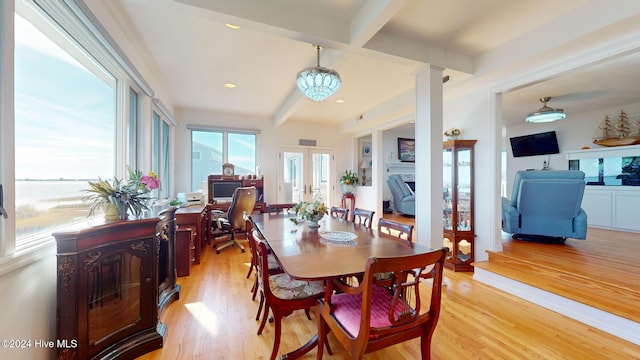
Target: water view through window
64	131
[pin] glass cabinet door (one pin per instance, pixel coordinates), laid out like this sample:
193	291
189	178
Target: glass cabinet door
447	188
463	190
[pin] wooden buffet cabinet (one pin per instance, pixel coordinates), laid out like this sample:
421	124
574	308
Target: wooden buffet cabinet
113	280
457	195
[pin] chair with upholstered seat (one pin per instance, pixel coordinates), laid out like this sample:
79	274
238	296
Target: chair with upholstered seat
363	217
383	312
339	212
231	222
546	206
273	268
280	293
394	228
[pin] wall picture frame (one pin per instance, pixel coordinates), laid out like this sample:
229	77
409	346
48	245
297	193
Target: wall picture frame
406	150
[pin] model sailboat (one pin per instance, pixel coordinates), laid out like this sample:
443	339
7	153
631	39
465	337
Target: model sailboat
621	133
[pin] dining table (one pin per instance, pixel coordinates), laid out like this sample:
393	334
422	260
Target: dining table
337	248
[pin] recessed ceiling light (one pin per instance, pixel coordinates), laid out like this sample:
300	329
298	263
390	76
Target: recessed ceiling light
232	26
230	85
339	101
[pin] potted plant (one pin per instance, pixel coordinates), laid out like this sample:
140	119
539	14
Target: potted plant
310	211
118	198
349	180
452	133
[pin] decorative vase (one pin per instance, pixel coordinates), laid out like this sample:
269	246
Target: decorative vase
314	221
111	212
454	137
347	188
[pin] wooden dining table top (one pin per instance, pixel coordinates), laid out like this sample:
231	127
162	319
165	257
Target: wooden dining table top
328	252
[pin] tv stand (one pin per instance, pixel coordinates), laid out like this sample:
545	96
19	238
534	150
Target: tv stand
223	206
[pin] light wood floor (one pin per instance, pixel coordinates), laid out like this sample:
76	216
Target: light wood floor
214	319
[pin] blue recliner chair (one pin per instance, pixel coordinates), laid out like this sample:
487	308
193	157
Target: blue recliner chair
404	201
545	206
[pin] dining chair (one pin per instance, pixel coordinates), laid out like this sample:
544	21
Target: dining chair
380	313
339	212
275	209
398	229
363	217
231	222
282	294
273	268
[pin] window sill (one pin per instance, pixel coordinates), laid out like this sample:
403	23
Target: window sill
27	256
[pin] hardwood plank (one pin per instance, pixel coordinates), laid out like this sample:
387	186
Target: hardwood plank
214	319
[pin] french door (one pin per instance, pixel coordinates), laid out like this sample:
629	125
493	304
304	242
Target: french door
305	174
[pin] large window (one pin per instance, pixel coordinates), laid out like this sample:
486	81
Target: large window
160	155
74	117
64	132
211	149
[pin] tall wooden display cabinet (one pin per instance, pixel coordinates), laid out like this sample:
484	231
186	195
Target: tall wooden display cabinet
458	194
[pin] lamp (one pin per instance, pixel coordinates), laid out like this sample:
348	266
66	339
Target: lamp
317	82
364	165
545	113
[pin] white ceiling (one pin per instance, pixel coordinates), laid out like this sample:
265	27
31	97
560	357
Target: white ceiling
377	46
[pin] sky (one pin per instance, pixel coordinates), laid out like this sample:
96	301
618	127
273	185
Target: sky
64	114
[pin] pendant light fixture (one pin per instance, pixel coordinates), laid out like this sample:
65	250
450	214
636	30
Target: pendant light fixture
317	82
545	113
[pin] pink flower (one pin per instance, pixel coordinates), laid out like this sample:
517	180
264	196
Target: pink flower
151	182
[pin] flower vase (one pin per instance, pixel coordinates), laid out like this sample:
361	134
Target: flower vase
453	137
111	212
314	221
347	188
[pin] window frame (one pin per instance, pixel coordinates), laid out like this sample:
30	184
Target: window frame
225	144
61	22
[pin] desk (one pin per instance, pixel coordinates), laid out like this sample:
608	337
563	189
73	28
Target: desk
195	217
352	201
304	254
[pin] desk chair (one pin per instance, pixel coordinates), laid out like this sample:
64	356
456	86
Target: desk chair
223	224
380	313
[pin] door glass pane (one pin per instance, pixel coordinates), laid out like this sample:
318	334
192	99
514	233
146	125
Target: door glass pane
320	177
293	180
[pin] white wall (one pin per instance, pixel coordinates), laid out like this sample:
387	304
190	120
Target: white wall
28	304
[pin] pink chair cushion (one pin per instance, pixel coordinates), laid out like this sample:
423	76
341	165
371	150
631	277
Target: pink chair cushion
347	309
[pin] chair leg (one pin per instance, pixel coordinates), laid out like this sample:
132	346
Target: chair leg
265	315
260	307
254	289
276	339
322	337
250	270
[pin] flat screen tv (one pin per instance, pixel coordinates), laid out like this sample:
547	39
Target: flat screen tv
535	144
223	190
